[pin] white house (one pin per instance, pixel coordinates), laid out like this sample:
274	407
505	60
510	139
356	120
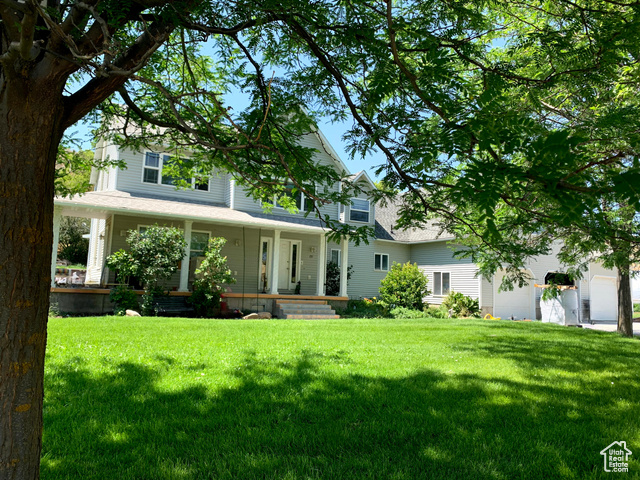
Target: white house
269	253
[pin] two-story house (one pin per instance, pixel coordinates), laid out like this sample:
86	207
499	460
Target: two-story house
270	253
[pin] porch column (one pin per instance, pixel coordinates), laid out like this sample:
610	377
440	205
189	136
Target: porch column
275	263
184	271
57	216
322	265
344	264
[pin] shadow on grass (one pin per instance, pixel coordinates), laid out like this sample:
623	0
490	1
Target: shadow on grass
296	420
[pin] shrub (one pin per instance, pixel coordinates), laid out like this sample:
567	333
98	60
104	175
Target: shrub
402	312
212	274
404	286
153	256
123	299
72	245
366	308
332	281
636	307
460	305
436	311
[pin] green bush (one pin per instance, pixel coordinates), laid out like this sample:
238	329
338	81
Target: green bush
459	305
366	308
404	286
436	311
72	245
212	274
402	312
154	256
123	299
636	307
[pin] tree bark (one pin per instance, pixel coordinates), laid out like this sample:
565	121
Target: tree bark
30	132
625	303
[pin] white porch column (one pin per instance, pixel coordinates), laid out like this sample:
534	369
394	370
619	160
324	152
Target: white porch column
344	265
184	271
275	263
322	265
57	216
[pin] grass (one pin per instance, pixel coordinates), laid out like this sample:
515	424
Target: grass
153	398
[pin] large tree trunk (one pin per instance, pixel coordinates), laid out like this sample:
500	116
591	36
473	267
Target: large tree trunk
30	132
625	303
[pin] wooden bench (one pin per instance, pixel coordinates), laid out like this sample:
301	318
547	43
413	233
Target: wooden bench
169	306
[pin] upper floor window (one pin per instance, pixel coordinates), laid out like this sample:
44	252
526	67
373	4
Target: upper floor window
359	211
302	203
441	283
152	172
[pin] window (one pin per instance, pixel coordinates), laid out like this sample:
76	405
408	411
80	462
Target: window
359	210
302	203
199	241
381	262
152	173
441	283
335	256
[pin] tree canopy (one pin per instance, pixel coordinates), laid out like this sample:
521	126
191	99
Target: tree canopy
503	118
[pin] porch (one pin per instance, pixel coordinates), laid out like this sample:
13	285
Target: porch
95	301
268	254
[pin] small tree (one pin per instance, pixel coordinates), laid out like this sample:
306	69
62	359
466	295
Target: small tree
213	273
404	286
153	256
332	282
73	246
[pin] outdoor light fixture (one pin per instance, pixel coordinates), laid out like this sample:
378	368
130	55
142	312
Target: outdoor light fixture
237	243
312	249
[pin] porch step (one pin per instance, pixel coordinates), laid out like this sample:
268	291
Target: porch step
301	302
304	309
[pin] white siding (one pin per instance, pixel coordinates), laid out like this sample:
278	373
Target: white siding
242	200
365	281
438	257
130	180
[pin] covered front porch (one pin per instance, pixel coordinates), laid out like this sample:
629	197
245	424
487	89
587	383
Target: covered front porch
267	254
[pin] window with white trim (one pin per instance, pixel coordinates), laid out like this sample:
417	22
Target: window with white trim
381	262
152	172
359	211
335	256
199	242
303	203
441	283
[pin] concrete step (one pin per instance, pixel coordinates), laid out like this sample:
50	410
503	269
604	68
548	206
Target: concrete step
310	317
306	302
303	306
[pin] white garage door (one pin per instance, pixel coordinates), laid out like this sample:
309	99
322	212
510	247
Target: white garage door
604	298
517	303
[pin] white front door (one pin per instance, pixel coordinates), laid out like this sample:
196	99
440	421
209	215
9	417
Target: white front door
289	267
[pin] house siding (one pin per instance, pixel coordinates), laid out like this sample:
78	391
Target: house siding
130	180
365	281
243	201
438	257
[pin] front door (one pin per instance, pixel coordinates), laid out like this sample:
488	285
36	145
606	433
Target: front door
289	266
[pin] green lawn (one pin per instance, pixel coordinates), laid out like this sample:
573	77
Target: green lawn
153	398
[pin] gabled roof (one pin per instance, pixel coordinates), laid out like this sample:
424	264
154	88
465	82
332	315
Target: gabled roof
362	175
387	217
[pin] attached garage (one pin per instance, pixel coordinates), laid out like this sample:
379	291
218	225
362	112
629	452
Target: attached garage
518	303
604	298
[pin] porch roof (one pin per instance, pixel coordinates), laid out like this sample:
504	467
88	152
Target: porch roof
104	203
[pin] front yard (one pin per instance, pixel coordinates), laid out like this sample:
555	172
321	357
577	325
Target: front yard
154	398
